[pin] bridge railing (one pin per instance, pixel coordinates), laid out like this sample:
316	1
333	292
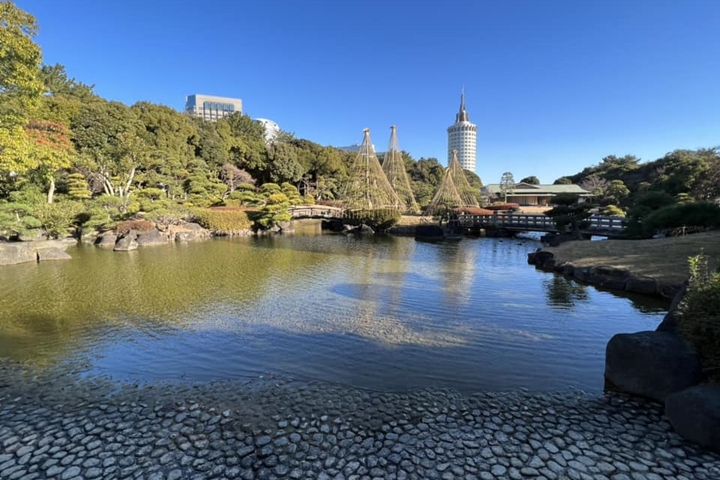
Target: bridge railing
603	222
537	222
316	211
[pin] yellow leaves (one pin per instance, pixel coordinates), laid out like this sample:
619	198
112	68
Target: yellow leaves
20	60
15	151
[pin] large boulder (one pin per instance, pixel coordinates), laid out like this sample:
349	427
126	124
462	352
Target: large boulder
187	232
695	414
12	253
52	253
126	242
645	285
107	240
152	237
651	364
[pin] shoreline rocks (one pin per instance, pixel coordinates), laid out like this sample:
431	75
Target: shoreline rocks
604	276
13	253
651	364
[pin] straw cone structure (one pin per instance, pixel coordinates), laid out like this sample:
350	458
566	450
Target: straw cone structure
454	191
446	198
466	192
394	168
367	187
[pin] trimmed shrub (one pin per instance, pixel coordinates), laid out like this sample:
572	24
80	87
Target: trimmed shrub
699	214
699	315
173	214
612	211
224	220
57	218
137	225
377	219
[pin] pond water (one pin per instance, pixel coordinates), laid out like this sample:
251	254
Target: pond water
383	313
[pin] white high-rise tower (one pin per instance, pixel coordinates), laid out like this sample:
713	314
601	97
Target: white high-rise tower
462	136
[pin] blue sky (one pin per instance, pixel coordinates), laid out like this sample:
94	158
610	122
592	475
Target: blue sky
553	85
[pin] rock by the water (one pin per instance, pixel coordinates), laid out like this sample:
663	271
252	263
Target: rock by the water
186	236
286	227
187	232
695	414
644	285
52	253
152	237
651	364
364	230
12	253
106	239
126	242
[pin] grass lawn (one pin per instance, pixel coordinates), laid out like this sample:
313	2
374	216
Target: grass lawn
664	259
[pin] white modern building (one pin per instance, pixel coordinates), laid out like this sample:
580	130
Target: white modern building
272	129
210	107
462	136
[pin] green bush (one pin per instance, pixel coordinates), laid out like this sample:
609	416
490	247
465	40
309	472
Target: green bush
275	210
699	315
377	219
173	214
224	220
697	214
57	218
612	211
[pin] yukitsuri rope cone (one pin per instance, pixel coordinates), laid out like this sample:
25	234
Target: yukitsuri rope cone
454	192
367	187
466	192
394	168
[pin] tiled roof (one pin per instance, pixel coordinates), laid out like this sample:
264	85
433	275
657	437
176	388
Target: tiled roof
527	189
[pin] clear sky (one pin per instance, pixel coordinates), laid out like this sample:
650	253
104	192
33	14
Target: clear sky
553	85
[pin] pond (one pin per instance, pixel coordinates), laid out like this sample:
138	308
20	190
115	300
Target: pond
384	313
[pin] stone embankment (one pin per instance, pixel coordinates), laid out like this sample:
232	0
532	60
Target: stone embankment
12	253
605	276
159	235
61	427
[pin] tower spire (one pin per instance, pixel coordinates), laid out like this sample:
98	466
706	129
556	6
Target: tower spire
462	115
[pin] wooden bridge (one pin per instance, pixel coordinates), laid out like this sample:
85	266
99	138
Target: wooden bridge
317	211
597	224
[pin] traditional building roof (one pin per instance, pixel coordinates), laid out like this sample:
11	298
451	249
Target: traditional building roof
525	189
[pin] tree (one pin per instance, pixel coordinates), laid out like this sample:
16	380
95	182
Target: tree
531	180
107	135
616	192
51	150
596	185
507	185
568	213
563	181
20	87
56	82
78	187
233	176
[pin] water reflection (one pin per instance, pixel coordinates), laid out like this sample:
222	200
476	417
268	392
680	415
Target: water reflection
365	311
563	292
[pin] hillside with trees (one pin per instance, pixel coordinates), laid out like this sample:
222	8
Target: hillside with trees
678	191
71	159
